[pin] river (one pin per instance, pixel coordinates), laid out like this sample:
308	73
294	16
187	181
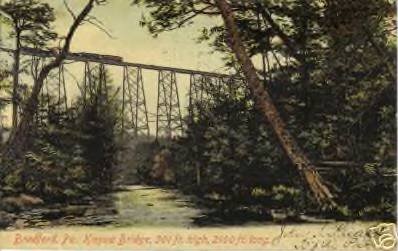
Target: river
146	207
131	206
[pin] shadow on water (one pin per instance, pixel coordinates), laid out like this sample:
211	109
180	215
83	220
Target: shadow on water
232	217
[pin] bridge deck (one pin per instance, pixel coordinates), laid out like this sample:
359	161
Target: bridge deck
112	60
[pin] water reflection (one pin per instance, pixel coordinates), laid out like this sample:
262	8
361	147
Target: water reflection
132	206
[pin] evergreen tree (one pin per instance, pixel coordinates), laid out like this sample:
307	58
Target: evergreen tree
19	139
30	21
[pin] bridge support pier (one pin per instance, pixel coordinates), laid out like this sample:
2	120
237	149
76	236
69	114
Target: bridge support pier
53	102
168	114
134	106
203	89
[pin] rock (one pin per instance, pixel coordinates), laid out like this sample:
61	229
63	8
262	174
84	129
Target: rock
31	200
278	215
100	211
74	210
21	202
20	224
42	224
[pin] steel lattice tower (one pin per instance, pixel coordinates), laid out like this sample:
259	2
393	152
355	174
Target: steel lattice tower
88	83
134	102
94	83
195	95
203	89
53	95
55	92
168	113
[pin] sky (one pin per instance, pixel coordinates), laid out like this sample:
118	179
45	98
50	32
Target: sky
134	43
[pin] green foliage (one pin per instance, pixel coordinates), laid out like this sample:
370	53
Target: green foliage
330	68
366	192
4	81
31	21
65	175
233	151
72	153
98	123
142	160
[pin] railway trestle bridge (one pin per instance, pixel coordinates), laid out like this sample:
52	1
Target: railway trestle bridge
135	116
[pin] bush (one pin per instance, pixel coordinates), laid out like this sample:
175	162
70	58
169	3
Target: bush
71	155
229	154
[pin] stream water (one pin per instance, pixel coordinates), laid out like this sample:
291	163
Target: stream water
143	206
131	206
138	206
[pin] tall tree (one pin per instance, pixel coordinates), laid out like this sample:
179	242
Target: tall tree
31	26
19	139
265	104
173	15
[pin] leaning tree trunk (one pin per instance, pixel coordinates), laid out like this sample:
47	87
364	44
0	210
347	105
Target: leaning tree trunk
19	138
265	104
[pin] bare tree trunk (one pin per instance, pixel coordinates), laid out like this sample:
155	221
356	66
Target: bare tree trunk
15	72
265	104
19	138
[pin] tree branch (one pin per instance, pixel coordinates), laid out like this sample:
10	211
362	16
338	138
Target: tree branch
69	10
18	140
382	55
195	13
203	10
98	24
68	39
285	38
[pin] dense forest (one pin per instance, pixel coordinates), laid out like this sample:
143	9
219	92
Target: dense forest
309	128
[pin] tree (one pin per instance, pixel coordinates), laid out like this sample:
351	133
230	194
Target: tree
19	139
97	119
31	26
173	15
265	105
76	155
